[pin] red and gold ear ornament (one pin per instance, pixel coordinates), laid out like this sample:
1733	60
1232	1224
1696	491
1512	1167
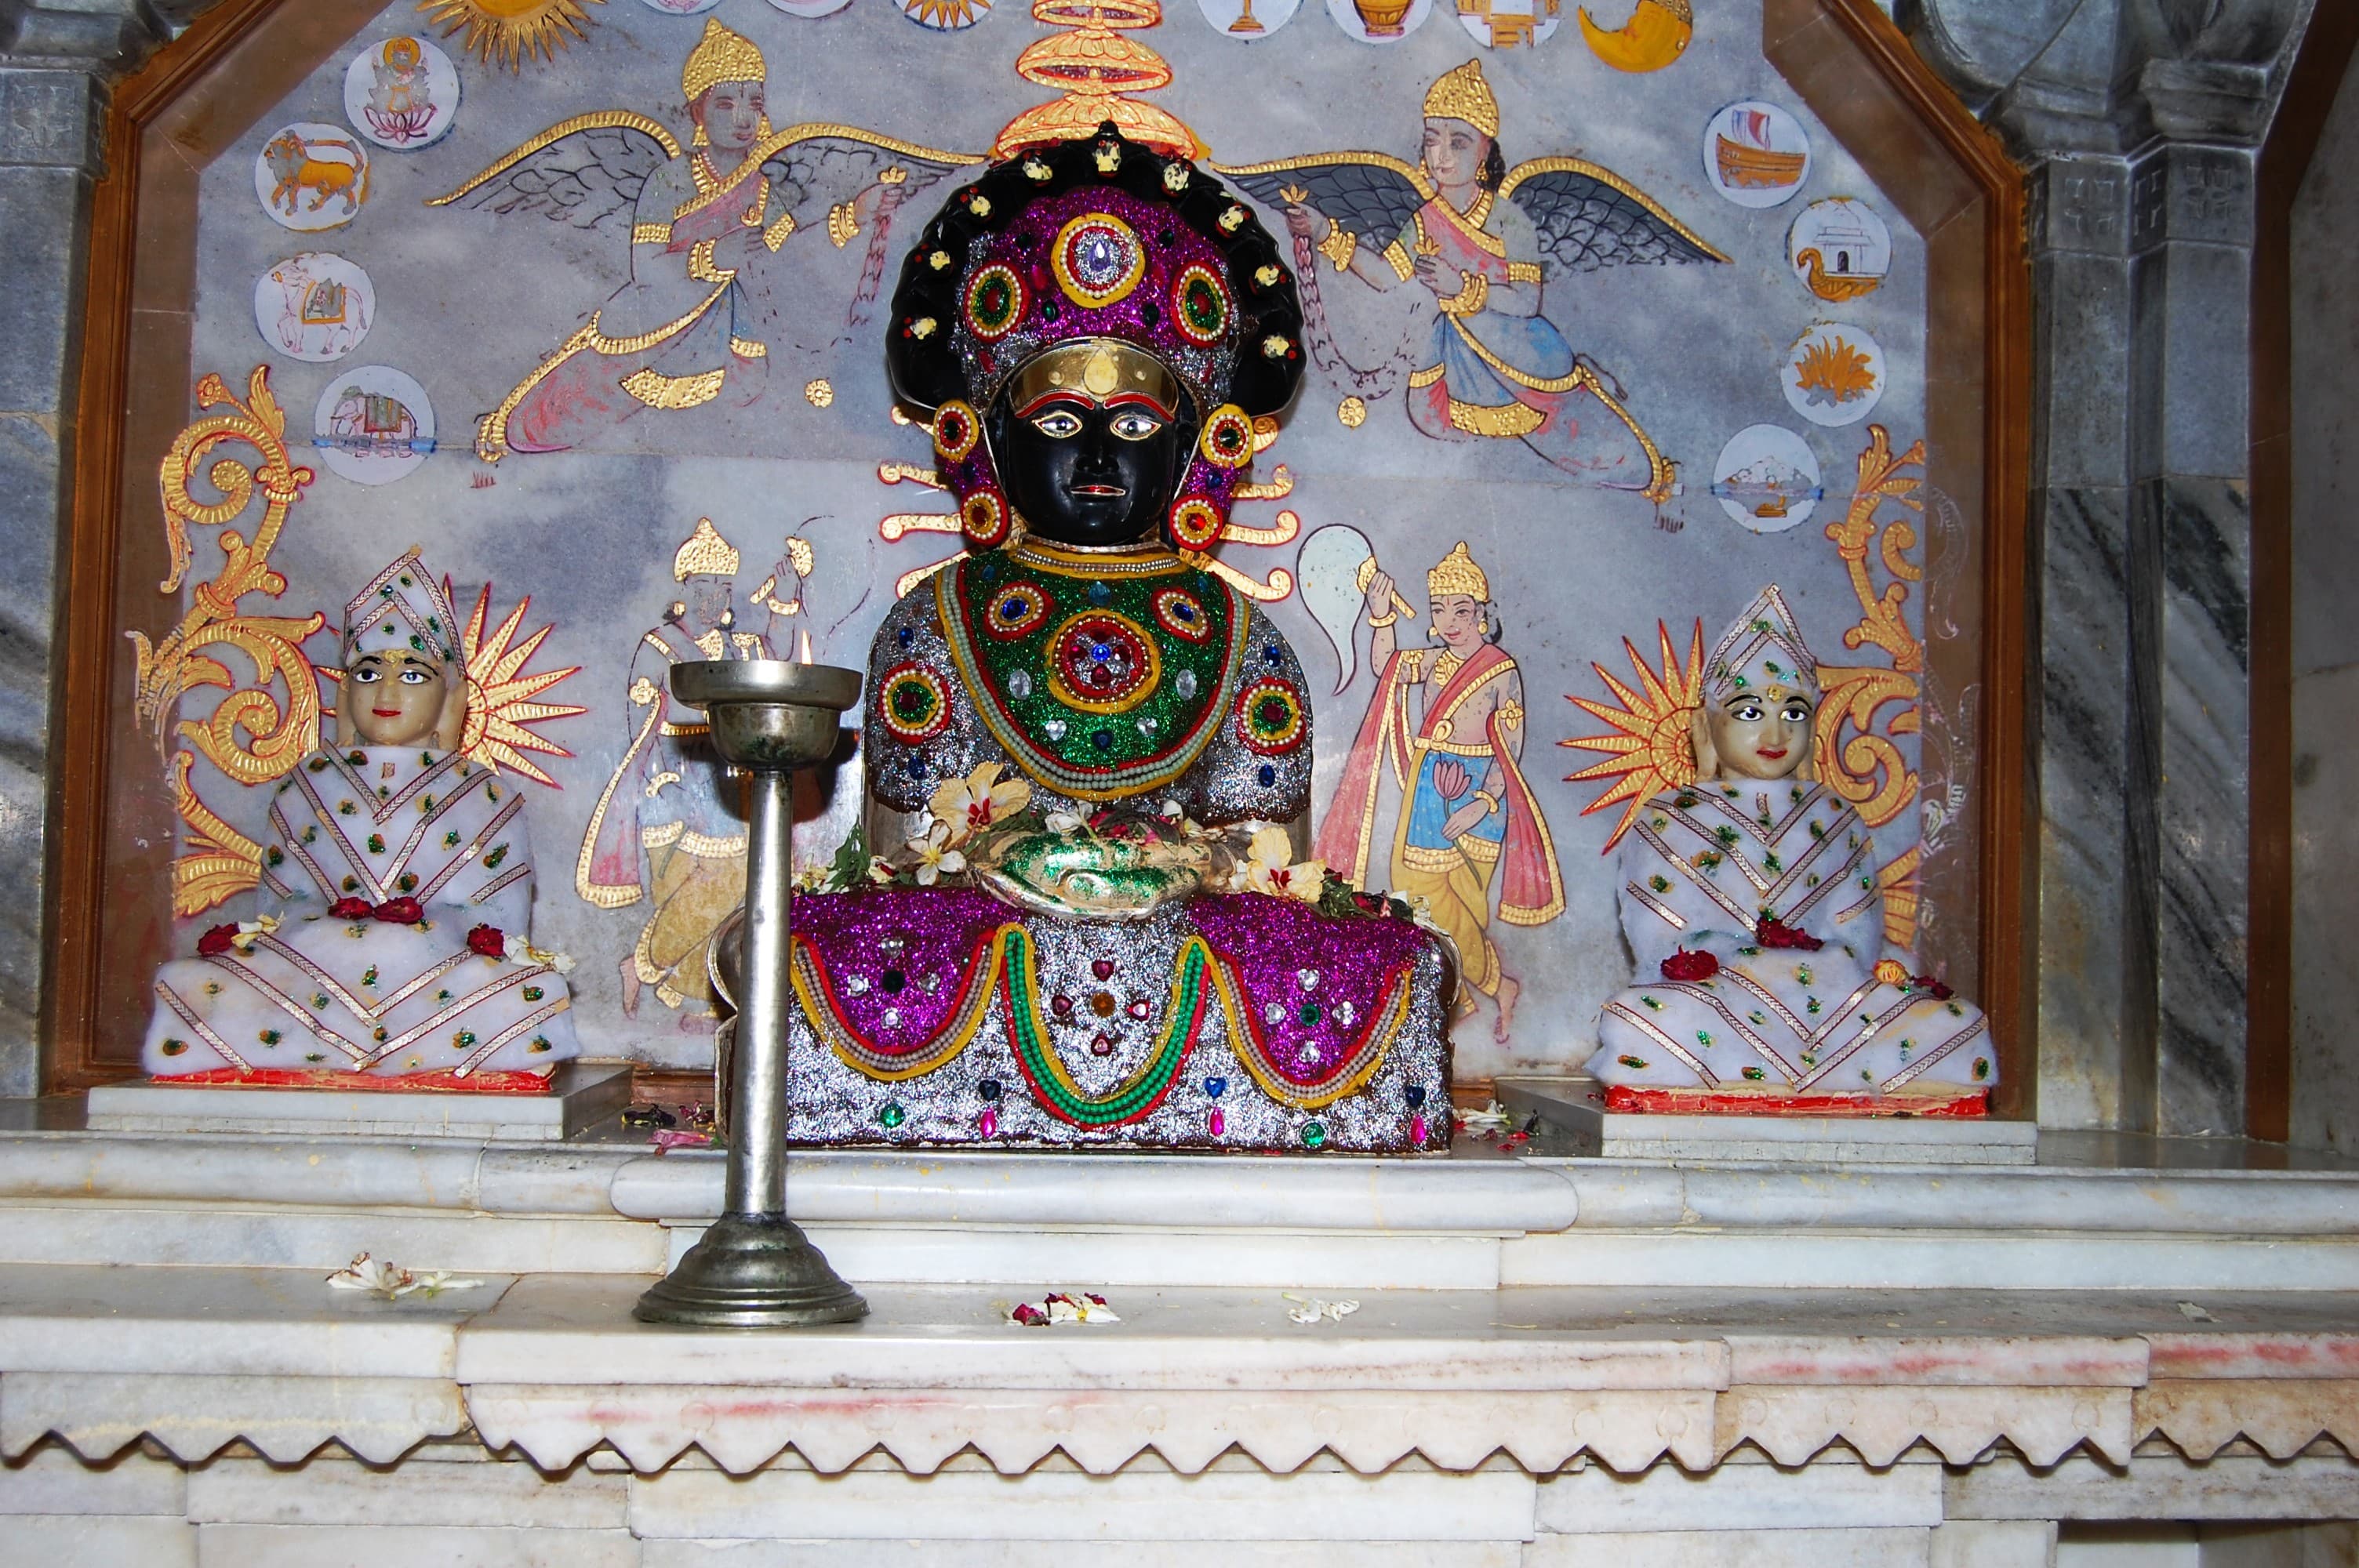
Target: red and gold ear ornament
1195	523
1227	439
957	428
983	518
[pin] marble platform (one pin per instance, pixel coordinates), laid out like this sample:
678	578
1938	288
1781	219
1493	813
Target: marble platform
1573	1119
581	1095
1552	1361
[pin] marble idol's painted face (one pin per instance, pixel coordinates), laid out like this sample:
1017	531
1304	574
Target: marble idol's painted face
1761	735
1454	152
396	698
1093	458
731	113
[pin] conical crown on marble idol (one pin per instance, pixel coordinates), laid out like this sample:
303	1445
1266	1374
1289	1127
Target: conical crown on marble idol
1762	652
405	607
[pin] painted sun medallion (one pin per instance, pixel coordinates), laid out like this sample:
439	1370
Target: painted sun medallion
1767	478
1379	21
374	425
995	302
402	92
1017	611
1102	663
945	15
314	307
1098	260
1834	374
311	177
1269	717
916	703
1840	248
1248	21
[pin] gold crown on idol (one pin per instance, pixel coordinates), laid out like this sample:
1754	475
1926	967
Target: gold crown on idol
720	56
1460	95
705	553
1457	573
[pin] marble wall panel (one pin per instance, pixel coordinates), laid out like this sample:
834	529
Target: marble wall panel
2325	906
2092	1061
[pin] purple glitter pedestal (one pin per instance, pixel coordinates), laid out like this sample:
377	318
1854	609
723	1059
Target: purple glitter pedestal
1294	1006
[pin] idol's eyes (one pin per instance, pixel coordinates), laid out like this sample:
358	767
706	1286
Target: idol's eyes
1134	425
1798	712
1058	424
413	675
368	674
1747	712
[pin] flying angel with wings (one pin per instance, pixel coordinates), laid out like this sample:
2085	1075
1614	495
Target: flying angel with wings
706	224
1485	240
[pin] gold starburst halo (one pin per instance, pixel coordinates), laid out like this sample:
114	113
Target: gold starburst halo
500	693
1649	749
510	32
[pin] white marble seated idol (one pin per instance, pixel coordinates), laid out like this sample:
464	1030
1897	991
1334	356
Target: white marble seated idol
1751	901
388	949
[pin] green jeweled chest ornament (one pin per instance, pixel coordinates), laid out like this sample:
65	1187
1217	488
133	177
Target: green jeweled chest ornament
1103	675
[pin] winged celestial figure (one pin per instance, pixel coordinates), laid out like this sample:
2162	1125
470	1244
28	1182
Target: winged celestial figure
1485	240
706	224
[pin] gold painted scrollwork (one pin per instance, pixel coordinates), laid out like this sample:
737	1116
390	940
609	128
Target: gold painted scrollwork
1856	756
219	860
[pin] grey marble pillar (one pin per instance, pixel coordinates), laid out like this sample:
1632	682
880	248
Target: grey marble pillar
2136	120
53	74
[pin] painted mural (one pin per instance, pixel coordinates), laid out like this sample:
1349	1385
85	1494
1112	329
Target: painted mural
1606	333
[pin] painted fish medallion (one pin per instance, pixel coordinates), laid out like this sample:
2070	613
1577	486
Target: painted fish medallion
1098	260
1102	663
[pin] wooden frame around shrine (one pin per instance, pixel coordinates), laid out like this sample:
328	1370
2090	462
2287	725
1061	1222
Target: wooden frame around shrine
199	94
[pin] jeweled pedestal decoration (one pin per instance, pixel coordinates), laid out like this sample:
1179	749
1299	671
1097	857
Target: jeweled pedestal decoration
754	1267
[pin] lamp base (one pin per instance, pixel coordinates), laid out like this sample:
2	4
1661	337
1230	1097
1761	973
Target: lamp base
754	1270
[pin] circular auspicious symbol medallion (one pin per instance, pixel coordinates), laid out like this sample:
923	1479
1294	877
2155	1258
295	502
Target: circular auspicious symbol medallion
1015	610
1102	663
1195	521
915	704
1200	305
1098	259
1182	613
994	302
1269	716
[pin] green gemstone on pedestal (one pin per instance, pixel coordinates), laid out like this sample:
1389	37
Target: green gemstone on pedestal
1314	1134
892	1116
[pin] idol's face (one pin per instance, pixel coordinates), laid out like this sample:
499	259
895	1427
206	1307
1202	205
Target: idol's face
732	114
1091	467
708	599
1454	152
1761	737
396	698
1457	620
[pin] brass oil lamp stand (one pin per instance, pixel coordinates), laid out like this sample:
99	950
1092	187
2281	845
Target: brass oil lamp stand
754	1267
